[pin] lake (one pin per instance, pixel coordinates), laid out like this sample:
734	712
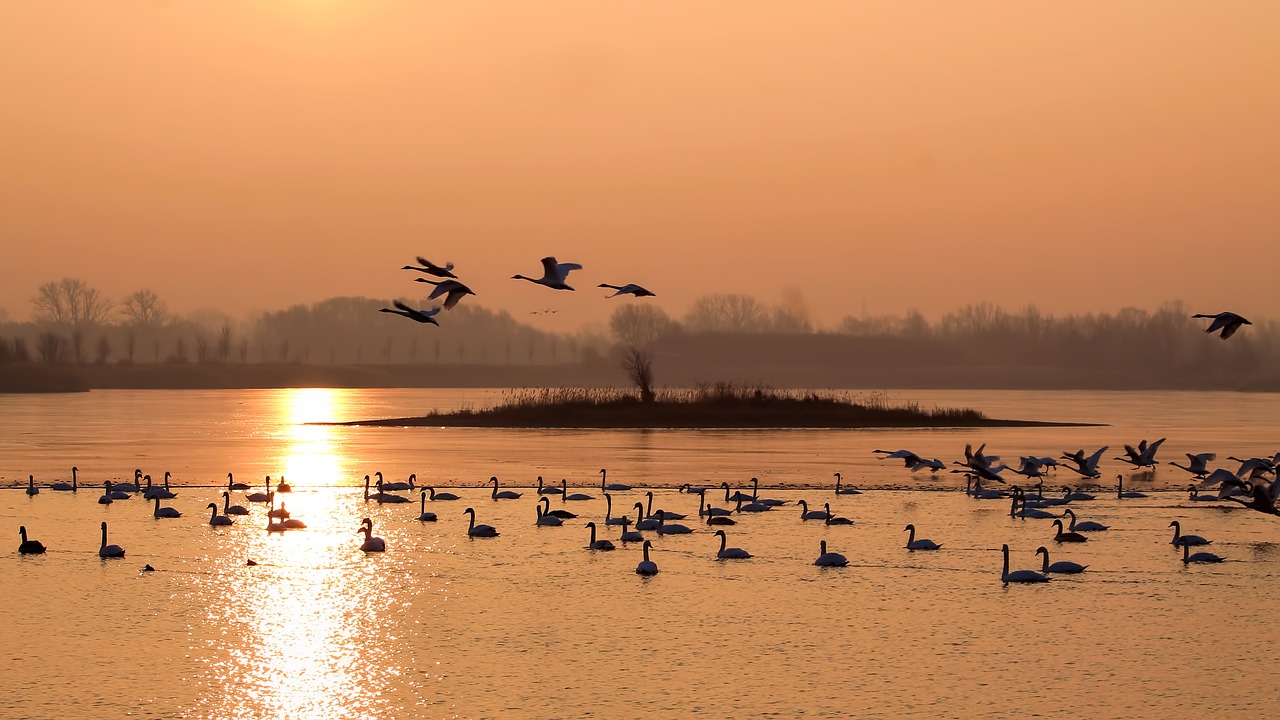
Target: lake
531	624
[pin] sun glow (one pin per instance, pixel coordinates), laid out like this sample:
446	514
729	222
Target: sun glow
309	457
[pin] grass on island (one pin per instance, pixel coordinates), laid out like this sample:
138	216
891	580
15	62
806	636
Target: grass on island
719	405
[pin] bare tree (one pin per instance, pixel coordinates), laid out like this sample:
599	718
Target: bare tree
244	350
224	343
639	325
179	350
130	343
103	350
51	347
20	352
144	307
202	347
77	343
727	313
638	365
71	300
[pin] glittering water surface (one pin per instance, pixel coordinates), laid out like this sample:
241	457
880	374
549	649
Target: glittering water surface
531	624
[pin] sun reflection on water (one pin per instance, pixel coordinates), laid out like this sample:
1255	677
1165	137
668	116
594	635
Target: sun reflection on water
310	457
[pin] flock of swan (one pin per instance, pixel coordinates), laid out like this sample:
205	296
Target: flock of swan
1247	486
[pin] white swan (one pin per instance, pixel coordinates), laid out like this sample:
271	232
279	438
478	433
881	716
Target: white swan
31	486
165	512
475	530
829	559
1200	557
425	516
554	274
215	519
413	477
1085	525
1062	567
597	544
922	543
261	497
807	514
109	551
229	509
505	494
29	547
564	493
728	553
1019	576
1180	539
646	566
65	487
435	496
371	543
615	487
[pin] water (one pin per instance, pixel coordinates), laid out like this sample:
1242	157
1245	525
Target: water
530	624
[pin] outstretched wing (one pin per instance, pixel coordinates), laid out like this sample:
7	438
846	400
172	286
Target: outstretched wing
563	269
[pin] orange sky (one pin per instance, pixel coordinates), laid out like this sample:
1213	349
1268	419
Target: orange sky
252	154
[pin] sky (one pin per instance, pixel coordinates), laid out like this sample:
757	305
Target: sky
248	155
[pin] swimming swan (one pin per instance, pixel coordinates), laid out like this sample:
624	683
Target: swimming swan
728	553
1062	567
1019	576
475	530
29	547
646	566
597	544
215	519
829	559
1200	557
109	551
371	543
505	494
922	543
1180	539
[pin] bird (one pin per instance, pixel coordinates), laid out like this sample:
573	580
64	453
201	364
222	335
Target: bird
922	543
597	544
31	486
1180	539
665	514
545	504
261	497
105	498
1086	526
628	289
452	290
1200	557
29	547
281	487
615	487
642	522
1142	456
232	485
430	268
65	487
1019	576
1122	494
1195	495
166	512
546	520
564	493
908	458
1085	466
807	514
438	496
832	519
229	509
755	495
647	566
1263	497
1069	494
505	494
398	485
109	551
845	490
371	543
630	535
1198	464
547	489
1062	567
728	553
1026	512
422	316
474	530
671	529
554	274
1227	322
829	559
383	497
1062	537
215	519
423	515
293	523
608	512
155	491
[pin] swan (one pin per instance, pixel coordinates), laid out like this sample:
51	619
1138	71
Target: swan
608	511
132	487
105	498
281	514
1227	322
922	543
629	289
1062	537
386	497
1200	557
564	493
807	514
728	553
215	519
1085	466
755	495
109	551
164	512
1142	456
1026	512
832	519
1122	494
1070	494
283	487
440	495
293	523
562	514
425	316
710	511
630	535
118	494
164	493
64	487
908	458
1019	576
505	494
1197	464
402	485
547	489
546	520
751	507
554	274
1180	539
29	547
232	485
644	523
646	566
1195	495
31	486
229	509
278	527
430	268
692	489
1028	467
261	497
1042	501
475	530
615	487
829	559
1062	567
663	514
597	544
452	290
738	495
672	529
371	543
1086	526
720	520
845	490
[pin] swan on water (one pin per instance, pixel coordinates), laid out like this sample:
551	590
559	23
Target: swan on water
1180	539
615	487
546	520
109	551
440	496
215	519
105	498
547	489
371	543
1084	525
644	523
165	512
608	512
475	530
845	490
807	514
597	544
630	535
401	486
229	509
67	487
503	495
1122	494
829	559
1200	557
670	529
261	497
1062	567
1062	537
1019	576
29	547
729	553
832	519
564	493
423	515
922	543
31	486
647	566
232	485
545	504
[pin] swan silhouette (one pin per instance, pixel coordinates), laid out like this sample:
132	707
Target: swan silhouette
1122	494
105	497
215	519
807	514
829	559
547	489
728	553
671	529
608	511
630	535
229	509
564	493
922	543
845	490
232	485
441	495
1019	576
29	547
554	274
109	551
546	520
1200	557
647	566
425	316
401	485
1180	539
452	290
1085	525
65	487
597	544
261	497
1072	537
644	523
31	486
505	494
614	487
1062	567
425	516
165	512
663	514
371	543
430	268
545	504
475	530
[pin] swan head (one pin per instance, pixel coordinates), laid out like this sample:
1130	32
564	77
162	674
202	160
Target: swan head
494	479
909	527
213	506
1174	524
1042	550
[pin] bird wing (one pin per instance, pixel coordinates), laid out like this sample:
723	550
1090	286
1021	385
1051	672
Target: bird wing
1092	461
1150	452
563	269
549	266
402	306
1132	453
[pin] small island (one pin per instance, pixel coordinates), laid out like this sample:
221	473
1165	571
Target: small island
720	406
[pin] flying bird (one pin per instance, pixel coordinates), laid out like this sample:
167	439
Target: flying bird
628	289
451	289
1227	322
553	274
431	268
422	316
